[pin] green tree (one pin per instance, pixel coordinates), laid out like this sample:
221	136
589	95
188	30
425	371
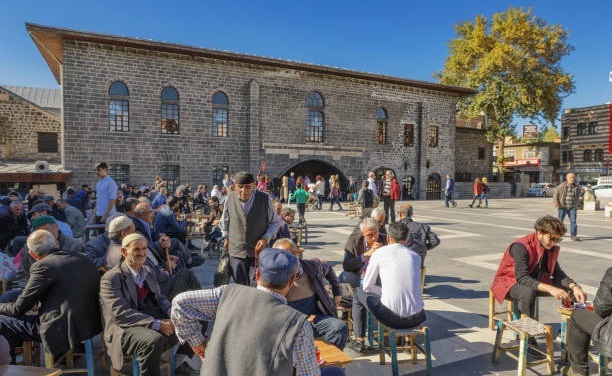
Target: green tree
549	134
514	61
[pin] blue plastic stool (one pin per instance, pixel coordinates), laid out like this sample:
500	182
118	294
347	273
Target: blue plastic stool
171	367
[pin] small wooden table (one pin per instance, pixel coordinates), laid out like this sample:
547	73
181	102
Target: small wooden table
565	316
331	355
12	370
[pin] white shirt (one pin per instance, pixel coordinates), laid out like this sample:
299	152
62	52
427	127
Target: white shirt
372	186
399	268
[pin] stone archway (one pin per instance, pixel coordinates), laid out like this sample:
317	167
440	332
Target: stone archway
313	167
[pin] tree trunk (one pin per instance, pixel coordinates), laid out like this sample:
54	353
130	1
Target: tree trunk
500	159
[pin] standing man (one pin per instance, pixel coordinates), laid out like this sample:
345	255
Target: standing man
365	200
397	301
449	191
106	192
566	200
282	342
248	224
420	237
389	192
372	183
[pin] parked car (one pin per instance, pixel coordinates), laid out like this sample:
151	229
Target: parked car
541	190
603	192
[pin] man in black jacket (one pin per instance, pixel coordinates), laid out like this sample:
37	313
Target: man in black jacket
420	237
65	285
585	325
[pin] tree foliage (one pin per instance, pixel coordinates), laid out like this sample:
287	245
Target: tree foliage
514	61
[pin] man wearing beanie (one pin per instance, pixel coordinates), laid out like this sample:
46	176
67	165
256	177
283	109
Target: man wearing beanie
248	224
66	285
239	345
136	313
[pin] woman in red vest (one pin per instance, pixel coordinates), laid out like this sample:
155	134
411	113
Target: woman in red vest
530	265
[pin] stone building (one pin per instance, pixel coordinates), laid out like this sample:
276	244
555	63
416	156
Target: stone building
585	142
30	131
191	114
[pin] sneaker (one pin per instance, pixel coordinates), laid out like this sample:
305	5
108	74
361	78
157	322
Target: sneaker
455	205
471	206
357	345
575	238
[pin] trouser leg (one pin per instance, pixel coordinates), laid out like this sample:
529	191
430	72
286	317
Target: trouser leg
561	214
386	204
147	345
16	330
392	209
526	298
359	312
332	329
240	269
572	213
579	330
301	211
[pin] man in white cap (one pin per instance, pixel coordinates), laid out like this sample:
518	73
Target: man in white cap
118	228
280	346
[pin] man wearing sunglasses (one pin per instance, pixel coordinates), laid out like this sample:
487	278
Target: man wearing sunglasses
530	265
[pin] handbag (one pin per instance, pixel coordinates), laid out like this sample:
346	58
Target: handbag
223	272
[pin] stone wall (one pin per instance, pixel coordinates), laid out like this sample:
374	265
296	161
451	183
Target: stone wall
467	162
267	112
20	122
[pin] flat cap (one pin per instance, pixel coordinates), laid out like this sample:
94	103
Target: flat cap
277	266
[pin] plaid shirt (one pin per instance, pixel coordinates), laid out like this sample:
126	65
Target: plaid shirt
192	307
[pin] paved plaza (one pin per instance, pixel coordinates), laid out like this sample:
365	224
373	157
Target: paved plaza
460	271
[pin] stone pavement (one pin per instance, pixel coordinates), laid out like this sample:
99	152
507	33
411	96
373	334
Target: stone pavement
459	272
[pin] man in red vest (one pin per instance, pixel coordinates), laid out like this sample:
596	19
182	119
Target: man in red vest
530	265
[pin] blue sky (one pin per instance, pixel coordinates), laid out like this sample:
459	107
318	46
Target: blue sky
399	38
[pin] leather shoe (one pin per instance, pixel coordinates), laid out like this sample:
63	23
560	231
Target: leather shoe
357	346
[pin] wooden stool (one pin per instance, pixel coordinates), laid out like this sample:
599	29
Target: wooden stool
30	350
525	327
411	345
511	311
51	362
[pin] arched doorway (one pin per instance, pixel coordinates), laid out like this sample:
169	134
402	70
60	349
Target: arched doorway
408	187
313	168
433	187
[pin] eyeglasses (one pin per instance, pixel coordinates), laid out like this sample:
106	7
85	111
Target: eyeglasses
555	239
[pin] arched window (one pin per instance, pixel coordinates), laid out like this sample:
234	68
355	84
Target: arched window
169	111
118	107
220	109
314	117
381	126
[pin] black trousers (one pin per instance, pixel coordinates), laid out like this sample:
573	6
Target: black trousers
526	299
389	205
579	330
241	268
302	212
148	346
19	329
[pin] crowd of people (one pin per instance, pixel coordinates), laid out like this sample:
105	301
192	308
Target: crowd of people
135	275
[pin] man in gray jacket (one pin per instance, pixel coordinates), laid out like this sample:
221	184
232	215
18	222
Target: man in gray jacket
566	199
136	313
420	237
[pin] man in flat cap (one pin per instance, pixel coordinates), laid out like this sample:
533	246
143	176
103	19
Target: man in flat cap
248	342
248	224
65	286
136	313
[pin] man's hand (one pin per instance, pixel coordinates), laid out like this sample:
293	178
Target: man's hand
338	300
103	218
376	245
261	245
173	262
225	244
200	350
558	293
368	253
166	327
579	294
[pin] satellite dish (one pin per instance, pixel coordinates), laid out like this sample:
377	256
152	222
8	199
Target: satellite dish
41	166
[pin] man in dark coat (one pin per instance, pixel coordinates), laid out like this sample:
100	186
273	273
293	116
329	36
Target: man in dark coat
65	284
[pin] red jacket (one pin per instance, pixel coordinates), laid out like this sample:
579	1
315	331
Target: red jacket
505	278
478	188
395	190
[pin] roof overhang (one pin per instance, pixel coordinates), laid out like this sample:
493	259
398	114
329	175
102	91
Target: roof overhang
49	41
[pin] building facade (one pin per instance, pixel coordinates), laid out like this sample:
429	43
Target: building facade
538	160
192	114
585	142
30	131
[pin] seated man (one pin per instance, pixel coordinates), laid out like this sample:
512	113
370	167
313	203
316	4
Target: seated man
308	295
280	346
135	311
398	301
65	284
167	223
379	215
143	221
530	265
358	249
585	326
74	218
420	237
288	216
13	224
44	209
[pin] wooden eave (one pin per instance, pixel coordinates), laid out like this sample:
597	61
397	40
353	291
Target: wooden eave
49	41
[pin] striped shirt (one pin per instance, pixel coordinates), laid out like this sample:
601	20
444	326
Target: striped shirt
192	307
